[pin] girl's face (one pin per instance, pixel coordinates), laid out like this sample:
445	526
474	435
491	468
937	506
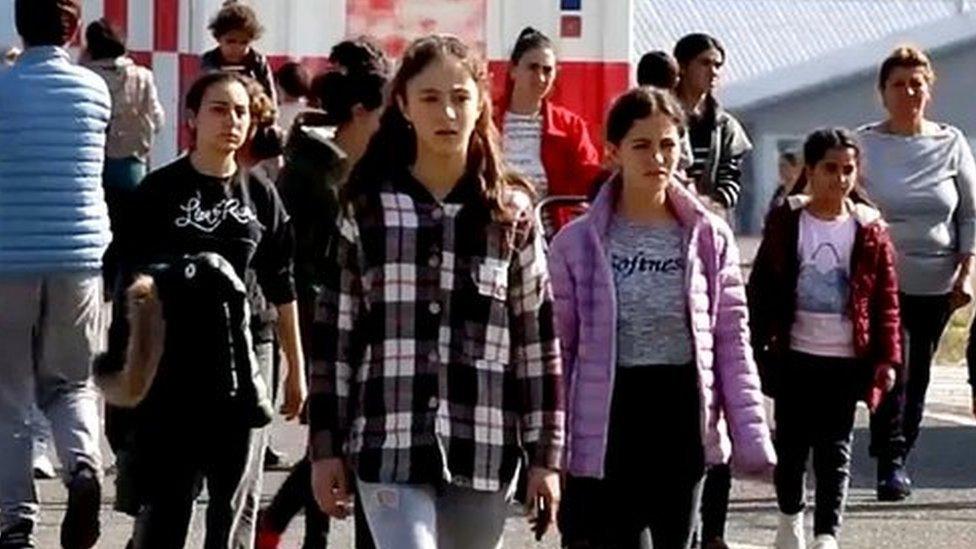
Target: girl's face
702	72
234	46
833	178
535	73
443	104
648	154
907	92
224	119
788	172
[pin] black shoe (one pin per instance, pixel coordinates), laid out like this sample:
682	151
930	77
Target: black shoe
19	536
80	528
894	484
274	460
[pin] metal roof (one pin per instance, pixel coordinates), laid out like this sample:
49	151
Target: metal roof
766	37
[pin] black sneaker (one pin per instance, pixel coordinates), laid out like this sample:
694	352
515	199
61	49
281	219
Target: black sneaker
19	536
894	484
80	528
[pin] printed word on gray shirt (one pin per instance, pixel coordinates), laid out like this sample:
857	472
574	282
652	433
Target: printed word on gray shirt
648	264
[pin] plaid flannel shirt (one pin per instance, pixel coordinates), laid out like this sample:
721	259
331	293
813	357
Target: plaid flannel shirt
434	355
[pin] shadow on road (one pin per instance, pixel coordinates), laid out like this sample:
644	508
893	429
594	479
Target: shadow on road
944	458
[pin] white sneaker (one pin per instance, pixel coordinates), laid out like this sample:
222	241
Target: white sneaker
825	541
44	468
789	534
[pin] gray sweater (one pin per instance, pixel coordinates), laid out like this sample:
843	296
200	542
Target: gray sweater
925	186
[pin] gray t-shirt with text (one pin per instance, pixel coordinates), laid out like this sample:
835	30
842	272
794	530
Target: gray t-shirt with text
648	263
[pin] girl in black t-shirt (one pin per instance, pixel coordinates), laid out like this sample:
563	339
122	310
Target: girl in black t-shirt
206	202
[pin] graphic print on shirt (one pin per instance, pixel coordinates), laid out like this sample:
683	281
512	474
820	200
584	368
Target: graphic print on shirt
625	266
824	284
210	219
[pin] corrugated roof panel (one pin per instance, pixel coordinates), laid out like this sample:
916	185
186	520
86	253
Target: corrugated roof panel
764	35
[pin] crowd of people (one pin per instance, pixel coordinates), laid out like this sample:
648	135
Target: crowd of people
360	250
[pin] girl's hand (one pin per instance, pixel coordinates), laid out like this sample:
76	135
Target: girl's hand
886	379
962	293
295	393
543	484
330	486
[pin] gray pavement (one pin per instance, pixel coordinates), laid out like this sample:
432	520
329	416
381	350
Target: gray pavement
941	514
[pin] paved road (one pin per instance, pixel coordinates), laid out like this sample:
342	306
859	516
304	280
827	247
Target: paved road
942	514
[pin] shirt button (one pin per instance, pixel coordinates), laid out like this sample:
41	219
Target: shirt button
434	308
432	356
434	261
436	214
432	403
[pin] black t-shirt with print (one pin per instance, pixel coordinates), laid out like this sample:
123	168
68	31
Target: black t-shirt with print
182	211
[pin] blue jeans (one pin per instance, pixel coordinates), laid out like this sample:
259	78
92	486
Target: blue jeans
123	173
407	516
120	178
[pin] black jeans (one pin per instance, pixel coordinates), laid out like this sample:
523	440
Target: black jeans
654	466
895	424
715	502
217	457
815	407
295	495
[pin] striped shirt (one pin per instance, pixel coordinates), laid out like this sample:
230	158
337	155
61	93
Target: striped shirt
434	354
522	143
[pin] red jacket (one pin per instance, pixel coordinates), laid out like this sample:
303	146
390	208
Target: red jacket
873	303
569	157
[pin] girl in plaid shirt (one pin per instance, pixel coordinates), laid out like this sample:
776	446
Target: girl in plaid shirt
435	362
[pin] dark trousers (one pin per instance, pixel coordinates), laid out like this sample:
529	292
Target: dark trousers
895	424
715	502
653	469
295	495
815	407
218	458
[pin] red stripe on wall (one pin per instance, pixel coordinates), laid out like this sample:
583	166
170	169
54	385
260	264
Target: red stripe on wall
586	88
166	17
117	12
142	58
189	70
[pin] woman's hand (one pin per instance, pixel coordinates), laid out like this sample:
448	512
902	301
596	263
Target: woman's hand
296	391
543	484
330	486
886	379
962	293
962	290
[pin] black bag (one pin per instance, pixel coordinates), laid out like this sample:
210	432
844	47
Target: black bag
209	346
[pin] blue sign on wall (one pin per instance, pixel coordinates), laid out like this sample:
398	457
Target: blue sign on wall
571	5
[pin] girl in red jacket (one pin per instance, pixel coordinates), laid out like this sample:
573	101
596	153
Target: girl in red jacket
546	143
823	301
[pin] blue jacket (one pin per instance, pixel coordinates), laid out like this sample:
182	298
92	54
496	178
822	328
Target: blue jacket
53	121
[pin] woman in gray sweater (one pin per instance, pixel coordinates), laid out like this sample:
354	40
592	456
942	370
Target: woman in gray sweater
923	177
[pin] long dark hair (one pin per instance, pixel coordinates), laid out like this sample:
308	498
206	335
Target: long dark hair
393	148
358	76
104	40
815	149
686	50
528	40
639	103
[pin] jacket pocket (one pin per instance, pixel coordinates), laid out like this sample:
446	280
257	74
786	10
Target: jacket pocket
486	321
